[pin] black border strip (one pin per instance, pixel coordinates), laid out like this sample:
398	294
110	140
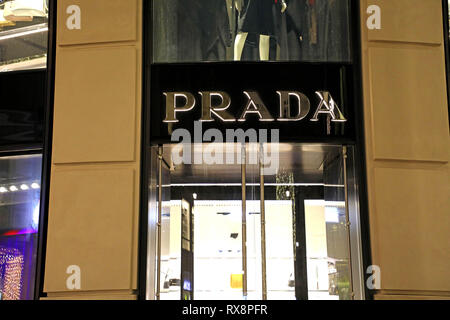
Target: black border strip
445	17
360	150
47	153
145	151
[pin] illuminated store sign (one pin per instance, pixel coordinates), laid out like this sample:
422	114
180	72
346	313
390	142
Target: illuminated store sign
293	106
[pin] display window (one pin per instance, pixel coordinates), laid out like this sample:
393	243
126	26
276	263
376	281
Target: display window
20	182
23	34
251	30
232	232
253	191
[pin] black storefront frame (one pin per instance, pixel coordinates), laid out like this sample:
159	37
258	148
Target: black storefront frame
446	18
359	143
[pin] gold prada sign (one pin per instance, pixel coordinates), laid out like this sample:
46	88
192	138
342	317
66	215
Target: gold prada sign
294	106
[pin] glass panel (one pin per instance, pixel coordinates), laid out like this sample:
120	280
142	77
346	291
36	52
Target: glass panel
336	226
19	220
279	202
306	237
305	207
251	30
170	240
327	235
171	251
23	34
208	246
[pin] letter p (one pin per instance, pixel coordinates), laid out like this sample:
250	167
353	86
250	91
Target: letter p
171	104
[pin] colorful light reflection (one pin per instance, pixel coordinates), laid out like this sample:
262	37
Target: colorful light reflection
18	232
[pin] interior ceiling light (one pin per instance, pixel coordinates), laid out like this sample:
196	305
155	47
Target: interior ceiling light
34	185
18	232
13	188
24	187
3	190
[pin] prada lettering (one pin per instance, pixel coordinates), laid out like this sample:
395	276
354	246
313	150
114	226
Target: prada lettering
215	106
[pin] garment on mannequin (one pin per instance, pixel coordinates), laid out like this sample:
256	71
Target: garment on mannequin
205	30
257	17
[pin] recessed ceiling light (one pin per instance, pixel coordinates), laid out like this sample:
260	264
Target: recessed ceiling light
34	185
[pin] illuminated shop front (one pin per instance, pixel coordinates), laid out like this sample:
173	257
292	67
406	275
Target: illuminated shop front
23	58
222	149
253	156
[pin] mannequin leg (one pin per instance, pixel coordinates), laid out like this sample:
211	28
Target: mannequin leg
264	47
239	45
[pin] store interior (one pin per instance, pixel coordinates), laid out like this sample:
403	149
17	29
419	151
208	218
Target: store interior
304	205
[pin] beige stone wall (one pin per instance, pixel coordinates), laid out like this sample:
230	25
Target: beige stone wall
94	191
408	148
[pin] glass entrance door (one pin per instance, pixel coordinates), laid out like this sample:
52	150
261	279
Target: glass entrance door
255	222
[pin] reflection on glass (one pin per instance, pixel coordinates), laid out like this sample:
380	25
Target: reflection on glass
19	220
326	246
23	34
251	30
307	209
171	251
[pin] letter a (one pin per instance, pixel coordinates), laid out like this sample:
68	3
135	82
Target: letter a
328	106
74	280
74	20
374	20
257	106
374	280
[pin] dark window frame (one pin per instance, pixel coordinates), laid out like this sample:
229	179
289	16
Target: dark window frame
446	19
